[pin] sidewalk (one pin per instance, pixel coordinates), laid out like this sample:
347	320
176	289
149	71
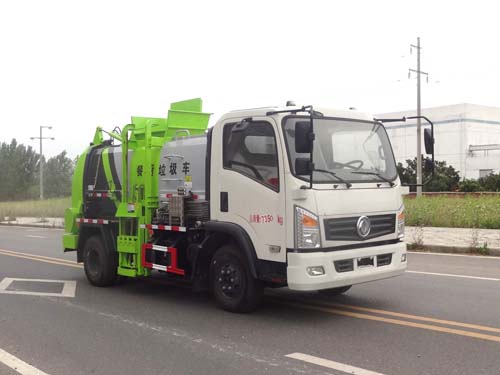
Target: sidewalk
454	240
449	240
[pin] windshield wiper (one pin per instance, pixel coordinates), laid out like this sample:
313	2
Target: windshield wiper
378	175
348	184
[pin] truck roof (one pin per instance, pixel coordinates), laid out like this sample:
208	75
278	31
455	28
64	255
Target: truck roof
327	112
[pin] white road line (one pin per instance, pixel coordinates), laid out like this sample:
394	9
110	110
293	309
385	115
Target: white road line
331	364
17	365
34	236
454	275
453	255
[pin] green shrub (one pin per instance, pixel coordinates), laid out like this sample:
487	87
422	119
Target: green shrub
490	182
468	185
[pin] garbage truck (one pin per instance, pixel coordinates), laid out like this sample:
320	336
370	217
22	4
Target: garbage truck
296	196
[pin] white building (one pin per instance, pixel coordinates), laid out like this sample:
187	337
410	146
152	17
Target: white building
467	137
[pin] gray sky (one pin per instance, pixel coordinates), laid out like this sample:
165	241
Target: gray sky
78	64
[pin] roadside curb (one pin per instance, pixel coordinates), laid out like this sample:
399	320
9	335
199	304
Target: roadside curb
452	250
34	225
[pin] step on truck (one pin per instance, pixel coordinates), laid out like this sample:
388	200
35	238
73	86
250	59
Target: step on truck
267	197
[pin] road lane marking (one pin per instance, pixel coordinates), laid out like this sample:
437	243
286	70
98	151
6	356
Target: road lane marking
453	255
331	364
454	275
34	236
413	317
394	321
68	289
17	365
39	258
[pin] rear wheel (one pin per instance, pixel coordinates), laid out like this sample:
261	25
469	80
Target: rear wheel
100	265
335	291
232	283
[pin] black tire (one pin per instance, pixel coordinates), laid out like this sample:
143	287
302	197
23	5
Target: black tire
100	265
232	283
335	291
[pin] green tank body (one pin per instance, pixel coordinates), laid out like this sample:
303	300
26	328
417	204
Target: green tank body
117	185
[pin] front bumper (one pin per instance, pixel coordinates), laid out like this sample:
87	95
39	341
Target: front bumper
299	279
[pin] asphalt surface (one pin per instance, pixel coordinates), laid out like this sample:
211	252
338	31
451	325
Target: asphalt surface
443	317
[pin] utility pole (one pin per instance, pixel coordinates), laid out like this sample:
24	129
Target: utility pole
41	138
419	110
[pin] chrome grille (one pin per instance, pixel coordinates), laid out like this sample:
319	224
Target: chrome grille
344	228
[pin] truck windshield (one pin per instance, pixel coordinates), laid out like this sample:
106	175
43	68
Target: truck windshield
356	151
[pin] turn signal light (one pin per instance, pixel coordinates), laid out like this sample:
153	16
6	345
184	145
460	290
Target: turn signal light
308	221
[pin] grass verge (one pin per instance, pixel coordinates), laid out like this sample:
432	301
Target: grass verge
46	208
454	212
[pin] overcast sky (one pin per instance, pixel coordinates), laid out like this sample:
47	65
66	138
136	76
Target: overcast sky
78	64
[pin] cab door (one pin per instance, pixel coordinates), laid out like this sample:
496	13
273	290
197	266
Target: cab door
248	186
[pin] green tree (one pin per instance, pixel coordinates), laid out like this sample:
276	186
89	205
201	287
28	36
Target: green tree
445	178
18	170
57	176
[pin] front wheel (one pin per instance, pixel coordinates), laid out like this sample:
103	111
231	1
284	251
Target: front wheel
335	291
232	283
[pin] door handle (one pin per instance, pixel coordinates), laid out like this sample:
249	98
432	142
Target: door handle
224	201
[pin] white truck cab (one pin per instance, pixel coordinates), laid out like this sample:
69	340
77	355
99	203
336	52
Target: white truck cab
317	193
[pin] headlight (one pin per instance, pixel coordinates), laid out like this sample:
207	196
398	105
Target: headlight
401	223
307	232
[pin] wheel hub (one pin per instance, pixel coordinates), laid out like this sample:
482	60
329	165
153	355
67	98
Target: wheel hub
229	280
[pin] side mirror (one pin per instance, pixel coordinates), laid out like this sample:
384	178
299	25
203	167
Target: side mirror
302	166
303	139
429	142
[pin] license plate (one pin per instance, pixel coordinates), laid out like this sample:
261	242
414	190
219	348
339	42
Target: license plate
366	262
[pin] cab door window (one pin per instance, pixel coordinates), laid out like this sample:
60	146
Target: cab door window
250	149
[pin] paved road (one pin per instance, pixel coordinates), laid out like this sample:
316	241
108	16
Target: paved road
425	322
